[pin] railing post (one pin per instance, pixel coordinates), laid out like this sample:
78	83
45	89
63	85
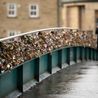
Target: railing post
81	54
60	58
96	55
50	63
20	78
92	53
97	41
0	70
75	54
36	72
86	53
89	53
68	56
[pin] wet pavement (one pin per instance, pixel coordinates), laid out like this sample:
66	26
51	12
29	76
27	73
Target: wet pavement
77	81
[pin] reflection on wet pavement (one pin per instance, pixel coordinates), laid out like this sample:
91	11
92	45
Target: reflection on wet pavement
77	81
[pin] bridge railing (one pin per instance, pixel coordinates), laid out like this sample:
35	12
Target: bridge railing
28	58
20	48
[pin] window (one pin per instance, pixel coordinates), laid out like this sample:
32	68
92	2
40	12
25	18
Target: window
11	10
12	33
34	10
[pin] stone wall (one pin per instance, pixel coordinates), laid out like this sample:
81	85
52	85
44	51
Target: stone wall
82	15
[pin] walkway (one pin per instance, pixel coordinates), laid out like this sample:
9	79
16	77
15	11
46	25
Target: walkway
78	81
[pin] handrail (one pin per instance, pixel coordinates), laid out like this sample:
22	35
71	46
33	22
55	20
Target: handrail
31	32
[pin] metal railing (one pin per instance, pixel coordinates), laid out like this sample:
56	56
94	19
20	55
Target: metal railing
17	49
64	48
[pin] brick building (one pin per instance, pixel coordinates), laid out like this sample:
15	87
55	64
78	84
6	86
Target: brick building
82	14
18	16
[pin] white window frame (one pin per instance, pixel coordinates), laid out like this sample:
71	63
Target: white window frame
34	10
11	9
15	33
12	31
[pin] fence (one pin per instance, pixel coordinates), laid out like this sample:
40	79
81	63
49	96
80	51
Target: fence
21	77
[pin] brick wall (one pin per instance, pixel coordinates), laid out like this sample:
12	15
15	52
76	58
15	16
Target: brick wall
23	23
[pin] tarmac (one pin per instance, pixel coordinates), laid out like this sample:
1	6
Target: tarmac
76	81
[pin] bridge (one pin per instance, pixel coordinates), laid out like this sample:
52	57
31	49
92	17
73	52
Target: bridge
28	58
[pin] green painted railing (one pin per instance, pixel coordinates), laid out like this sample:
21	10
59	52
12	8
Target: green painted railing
20	78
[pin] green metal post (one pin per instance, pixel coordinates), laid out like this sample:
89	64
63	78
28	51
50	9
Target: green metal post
96	55
89	53
78	53
20	78
81	53
75	54
85	53
68	56
0	70
97	45
93	54
49	63
60	58
36	73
